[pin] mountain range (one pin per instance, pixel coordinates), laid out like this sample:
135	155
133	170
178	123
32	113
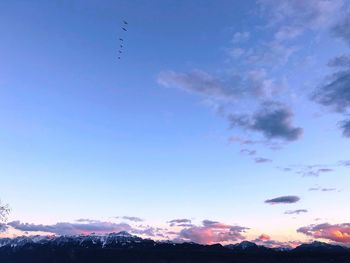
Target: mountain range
123	247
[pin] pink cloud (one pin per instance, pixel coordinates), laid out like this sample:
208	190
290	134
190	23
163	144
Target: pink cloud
264	237
337	232
212	232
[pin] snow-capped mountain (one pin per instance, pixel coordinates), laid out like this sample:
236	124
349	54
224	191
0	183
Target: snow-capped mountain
123	247
80	240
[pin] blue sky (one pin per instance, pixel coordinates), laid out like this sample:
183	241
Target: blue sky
213	108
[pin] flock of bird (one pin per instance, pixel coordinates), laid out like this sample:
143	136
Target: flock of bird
121	39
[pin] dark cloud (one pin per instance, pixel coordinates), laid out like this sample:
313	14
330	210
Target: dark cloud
65	228
295	212
342	61
212	232
274	121
337	232
335	93
342	29
288	199
262	160
345	126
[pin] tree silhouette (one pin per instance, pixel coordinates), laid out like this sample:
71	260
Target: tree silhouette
4	211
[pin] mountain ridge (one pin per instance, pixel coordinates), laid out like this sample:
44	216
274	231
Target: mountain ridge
130	248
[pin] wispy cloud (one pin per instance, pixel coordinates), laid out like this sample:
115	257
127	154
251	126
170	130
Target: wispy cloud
262	160
296	212
322	189
183	222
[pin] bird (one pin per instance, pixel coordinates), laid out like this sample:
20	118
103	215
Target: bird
124	29
125	23
120	51
121	39
121	46
118	57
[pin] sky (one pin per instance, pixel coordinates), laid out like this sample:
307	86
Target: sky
222	121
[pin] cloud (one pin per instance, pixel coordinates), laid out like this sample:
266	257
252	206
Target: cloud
272	120
254	83
236	52
267	241
212	232
342	61
345	126
264	237
311	171
335	93
132	218
184	222
3	227
301	14
262	160
240	37
198	82
149	232
297	212
337	232
342	29
65	228
345	163
288	199
322	189
315	172
248	152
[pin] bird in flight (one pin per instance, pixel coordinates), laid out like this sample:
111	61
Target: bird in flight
121	40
